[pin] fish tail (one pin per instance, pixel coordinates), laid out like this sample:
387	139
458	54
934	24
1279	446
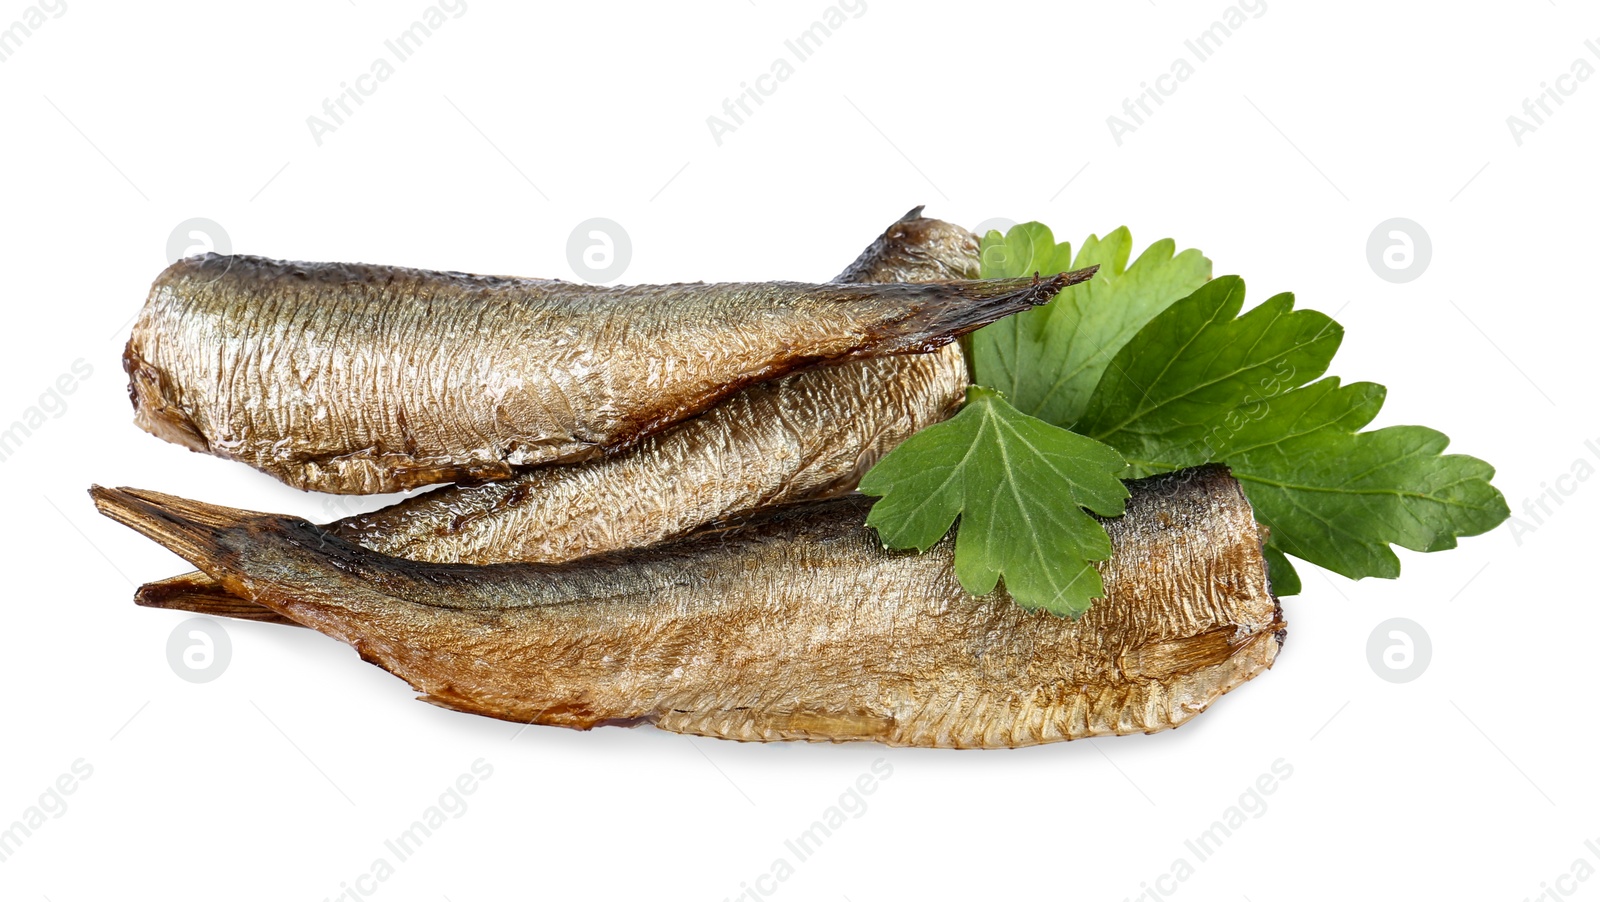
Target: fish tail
194	530
957	308
200	594
260	558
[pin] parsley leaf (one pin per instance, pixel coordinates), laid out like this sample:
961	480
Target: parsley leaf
1155	362
1168	388
1280	573
1200	384
1338	498
1019	486
1048	360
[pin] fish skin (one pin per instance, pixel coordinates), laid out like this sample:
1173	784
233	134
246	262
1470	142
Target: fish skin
359	379
917	249
798	625
807	435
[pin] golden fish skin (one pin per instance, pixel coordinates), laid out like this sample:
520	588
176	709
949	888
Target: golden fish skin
799	625
807	435
917	249
359	379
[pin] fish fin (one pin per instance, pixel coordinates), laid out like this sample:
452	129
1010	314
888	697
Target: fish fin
200	594
193	530
1165	659
832	725
765	726
573	716
956	308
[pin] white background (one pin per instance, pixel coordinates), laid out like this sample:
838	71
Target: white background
1310	125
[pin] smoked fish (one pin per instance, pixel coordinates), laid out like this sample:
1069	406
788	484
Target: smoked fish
794	625
358	379
806	435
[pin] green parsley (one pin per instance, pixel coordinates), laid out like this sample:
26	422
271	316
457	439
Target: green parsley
1170	390
1019	486
1071	340
1154	364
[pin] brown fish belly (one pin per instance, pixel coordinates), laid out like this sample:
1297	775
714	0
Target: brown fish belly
796	626
351	378
807	435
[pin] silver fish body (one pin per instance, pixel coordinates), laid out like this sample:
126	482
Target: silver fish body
351	378
799	625
807	435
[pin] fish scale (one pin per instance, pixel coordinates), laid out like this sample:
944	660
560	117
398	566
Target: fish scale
807	435
740	633
585	369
